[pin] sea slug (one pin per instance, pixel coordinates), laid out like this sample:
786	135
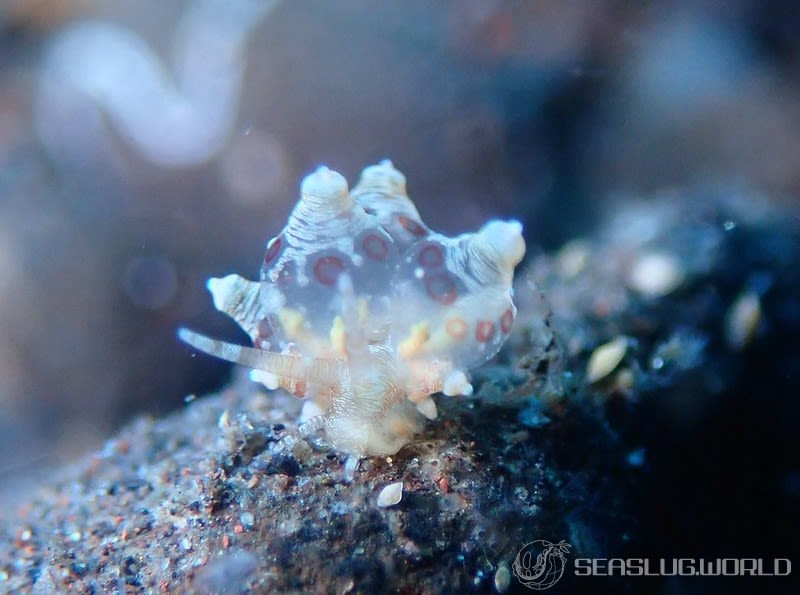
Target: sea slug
365	312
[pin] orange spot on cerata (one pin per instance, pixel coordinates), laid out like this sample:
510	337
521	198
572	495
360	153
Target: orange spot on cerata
456	328
300	388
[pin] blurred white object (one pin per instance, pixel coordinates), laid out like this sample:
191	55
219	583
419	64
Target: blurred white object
177	121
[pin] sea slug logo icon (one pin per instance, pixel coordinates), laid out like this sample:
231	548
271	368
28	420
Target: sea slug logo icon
540	564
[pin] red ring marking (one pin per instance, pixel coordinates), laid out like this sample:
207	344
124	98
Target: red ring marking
327	270
431	256
273	249
411	226
456	328
484	331
441	288
375	246
506	320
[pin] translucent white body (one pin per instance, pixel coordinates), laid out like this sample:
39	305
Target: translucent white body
365	312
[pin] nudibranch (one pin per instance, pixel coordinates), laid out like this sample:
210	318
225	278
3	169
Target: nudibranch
365	312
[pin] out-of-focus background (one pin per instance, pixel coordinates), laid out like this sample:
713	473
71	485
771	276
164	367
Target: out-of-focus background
145	146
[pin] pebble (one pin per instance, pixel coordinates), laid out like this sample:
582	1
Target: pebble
248	519
572	258
605	359
655	274
391	495
742	320
502	578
